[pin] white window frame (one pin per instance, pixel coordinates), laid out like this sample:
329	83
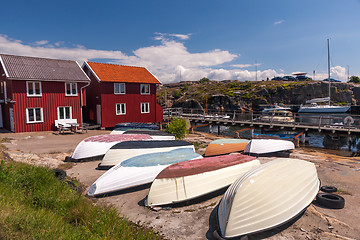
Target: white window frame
35	120
33	88
120	92
120	112
71	88
64	107
145	104
146	86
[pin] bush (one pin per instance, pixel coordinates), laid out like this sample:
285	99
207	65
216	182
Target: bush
177	127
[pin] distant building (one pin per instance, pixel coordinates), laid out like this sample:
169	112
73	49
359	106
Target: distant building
37	91
120	93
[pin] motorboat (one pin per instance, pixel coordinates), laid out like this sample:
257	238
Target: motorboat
267	196
277	115
96	146
138	170
191	179
225	146
262	146
125	150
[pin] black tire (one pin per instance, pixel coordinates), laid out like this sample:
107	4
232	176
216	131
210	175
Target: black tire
328	189
330	200
59	174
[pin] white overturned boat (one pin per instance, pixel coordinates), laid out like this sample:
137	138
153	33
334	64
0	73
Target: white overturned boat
267	196
120	128
261	146
97	146
125	150
191	179
155	134
139	170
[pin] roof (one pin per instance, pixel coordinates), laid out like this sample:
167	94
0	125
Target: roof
119	73
34	68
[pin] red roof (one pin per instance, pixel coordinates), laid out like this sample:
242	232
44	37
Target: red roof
119	73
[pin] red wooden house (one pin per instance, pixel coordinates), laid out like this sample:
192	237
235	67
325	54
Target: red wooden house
120	93
37	91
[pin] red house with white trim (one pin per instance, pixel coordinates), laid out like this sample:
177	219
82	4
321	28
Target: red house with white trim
34	92
120	93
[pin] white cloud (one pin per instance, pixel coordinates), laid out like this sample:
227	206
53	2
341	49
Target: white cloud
42	42
167	60
278	22
241	65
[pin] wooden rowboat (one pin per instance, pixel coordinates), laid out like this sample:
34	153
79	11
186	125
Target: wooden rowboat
125	150
97	146
267	196
138	170
225	146
261	146
155	134
191	179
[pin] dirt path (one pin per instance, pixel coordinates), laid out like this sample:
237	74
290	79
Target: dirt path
197	219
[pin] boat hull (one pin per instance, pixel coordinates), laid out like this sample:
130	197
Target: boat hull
97	146
138	170
123	151
325	109
267	196
225	146
262	146
192	179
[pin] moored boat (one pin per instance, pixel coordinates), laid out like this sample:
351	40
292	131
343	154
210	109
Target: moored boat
138	170
225	145
191	179
97	146
261	146
125	150
267	196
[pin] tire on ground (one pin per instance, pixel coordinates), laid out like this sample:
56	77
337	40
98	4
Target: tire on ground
330	200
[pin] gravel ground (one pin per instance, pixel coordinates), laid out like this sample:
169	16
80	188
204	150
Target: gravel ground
197	219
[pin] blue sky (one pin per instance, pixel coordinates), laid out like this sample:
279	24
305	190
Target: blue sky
188	40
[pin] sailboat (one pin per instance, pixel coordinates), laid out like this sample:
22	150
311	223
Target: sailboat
311	106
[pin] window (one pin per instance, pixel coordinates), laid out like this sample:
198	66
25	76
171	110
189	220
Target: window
64	113
34	115
145	108
71	89
119	88
145	88
33	89
120	109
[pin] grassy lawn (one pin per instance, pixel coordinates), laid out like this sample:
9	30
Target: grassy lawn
34	204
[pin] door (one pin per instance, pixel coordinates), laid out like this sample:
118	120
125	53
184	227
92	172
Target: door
98	114
11	111
1	119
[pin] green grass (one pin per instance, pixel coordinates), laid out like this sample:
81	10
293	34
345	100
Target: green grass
36	205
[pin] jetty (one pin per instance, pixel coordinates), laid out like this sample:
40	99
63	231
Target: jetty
332	125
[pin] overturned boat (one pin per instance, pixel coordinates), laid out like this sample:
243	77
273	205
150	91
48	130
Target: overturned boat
96	146
120	128
125	150
225	146
138	170
267	196
154	134
262	146
191	179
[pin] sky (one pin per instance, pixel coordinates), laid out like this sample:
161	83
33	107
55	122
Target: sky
243	40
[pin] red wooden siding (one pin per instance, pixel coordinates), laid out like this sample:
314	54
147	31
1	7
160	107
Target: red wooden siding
132	99
53	96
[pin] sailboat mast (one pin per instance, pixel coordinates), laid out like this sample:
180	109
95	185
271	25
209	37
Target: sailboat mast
328	45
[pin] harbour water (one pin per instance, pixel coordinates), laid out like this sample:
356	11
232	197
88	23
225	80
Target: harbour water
344	144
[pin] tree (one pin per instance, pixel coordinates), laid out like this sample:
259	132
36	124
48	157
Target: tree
177	127
354	79
204	80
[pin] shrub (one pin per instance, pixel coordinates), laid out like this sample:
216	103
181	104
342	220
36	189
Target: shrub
177	127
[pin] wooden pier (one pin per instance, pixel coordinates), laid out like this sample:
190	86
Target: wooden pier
330	125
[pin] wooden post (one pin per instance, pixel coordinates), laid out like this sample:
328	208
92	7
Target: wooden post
219	129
